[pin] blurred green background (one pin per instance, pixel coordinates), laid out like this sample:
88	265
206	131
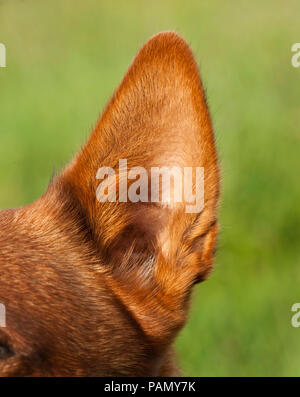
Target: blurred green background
65	58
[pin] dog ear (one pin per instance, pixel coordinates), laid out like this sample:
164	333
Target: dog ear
157	117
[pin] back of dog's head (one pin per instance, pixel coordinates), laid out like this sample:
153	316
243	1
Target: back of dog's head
94	286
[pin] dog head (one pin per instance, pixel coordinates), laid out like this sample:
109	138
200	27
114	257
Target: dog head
94	283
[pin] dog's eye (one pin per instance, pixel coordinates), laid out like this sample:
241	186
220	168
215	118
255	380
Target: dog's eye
5	352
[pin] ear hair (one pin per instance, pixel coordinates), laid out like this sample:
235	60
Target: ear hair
157	117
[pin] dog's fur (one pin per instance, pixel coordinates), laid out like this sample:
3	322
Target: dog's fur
102	289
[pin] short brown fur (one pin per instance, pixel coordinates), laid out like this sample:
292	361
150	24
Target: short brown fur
95	289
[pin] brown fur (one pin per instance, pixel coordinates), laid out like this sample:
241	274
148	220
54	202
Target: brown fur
103	288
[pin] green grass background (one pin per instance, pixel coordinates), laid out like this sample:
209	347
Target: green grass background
64	59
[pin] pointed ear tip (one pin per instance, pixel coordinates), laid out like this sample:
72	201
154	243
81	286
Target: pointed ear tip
166	42
168	36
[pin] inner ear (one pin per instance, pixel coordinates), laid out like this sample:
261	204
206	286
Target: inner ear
139	238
